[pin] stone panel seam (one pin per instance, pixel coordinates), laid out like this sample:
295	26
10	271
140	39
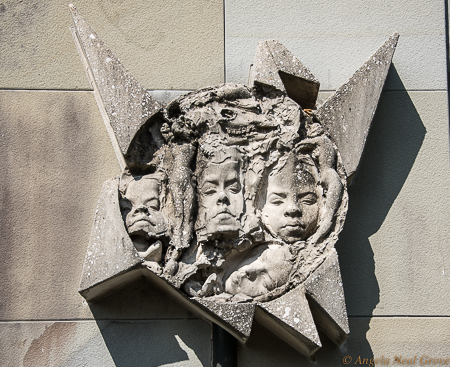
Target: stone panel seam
93	320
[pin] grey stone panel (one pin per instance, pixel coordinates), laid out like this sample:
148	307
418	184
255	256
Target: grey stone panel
37	50
325	290
105	343
370	338
393	249
166	96
333	44
348	113
55	155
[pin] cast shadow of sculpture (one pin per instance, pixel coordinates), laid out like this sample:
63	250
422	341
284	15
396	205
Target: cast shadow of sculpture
392	146
141	325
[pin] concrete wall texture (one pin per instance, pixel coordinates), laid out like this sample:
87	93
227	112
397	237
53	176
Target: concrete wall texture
54	151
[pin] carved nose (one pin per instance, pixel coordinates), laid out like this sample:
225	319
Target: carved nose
293	210
141	209
222	198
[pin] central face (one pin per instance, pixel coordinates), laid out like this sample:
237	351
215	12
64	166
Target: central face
291	210
141	208
221	201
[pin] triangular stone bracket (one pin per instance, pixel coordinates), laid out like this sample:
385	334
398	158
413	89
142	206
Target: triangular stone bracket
275	65
325	293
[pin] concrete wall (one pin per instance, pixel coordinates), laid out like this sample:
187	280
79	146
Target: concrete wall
54	152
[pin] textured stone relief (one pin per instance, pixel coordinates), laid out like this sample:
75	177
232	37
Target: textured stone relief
231	197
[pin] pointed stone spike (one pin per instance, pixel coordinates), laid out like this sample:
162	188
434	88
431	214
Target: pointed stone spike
348	113
111	260
125	105
275	65
326	295
238	317
290	318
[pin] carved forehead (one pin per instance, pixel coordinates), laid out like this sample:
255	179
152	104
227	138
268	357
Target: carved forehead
146	183
294	171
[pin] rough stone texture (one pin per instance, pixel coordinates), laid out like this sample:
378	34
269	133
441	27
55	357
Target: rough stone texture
375	338
396	229
239	317
110	252
125	105
105	343
325	289
275	65
348	113
335	39
37	49
291	311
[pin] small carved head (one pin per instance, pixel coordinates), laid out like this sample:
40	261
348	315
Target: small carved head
220	195
292	204
140	205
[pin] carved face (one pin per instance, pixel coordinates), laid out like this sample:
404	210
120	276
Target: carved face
266	268
220	199
291	210
141	209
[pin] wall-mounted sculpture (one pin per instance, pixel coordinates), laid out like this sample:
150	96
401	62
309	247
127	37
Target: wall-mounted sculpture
232	197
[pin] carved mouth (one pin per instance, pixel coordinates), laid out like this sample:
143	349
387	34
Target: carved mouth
236	130
142	218
223	213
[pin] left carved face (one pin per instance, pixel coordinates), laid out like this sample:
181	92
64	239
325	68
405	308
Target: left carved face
265	268
141	208
291	210
220	199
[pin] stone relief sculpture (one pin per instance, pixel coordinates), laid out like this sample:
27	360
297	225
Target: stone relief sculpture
232	197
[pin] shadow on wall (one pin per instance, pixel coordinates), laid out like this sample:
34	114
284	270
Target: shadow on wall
392	146
141	326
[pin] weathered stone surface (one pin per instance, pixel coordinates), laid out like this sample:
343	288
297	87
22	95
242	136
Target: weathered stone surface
275	65
290	318
37	50
111	259
348	113
324	288
238	316
336	42
124	104
106	343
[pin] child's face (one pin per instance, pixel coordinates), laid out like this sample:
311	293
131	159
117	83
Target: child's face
141	208
291	209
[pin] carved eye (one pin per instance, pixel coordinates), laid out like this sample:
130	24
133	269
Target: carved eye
235	188
276	200
152	204
209	190
227	113
309	199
